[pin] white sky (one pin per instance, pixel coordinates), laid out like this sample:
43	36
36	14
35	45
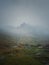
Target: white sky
33	12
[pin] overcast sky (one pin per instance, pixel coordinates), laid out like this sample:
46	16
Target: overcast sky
33	12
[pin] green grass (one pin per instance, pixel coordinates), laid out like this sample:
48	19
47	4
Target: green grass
25	57
14	60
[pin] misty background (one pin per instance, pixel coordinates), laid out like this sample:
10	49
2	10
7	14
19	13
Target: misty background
25	16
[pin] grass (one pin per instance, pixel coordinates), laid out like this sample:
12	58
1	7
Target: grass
23	57
14	60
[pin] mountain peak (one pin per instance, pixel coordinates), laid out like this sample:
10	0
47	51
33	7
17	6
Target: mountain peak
23	24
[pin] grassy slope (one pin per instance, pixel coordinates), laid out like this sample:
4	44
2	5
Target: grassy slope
21	58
